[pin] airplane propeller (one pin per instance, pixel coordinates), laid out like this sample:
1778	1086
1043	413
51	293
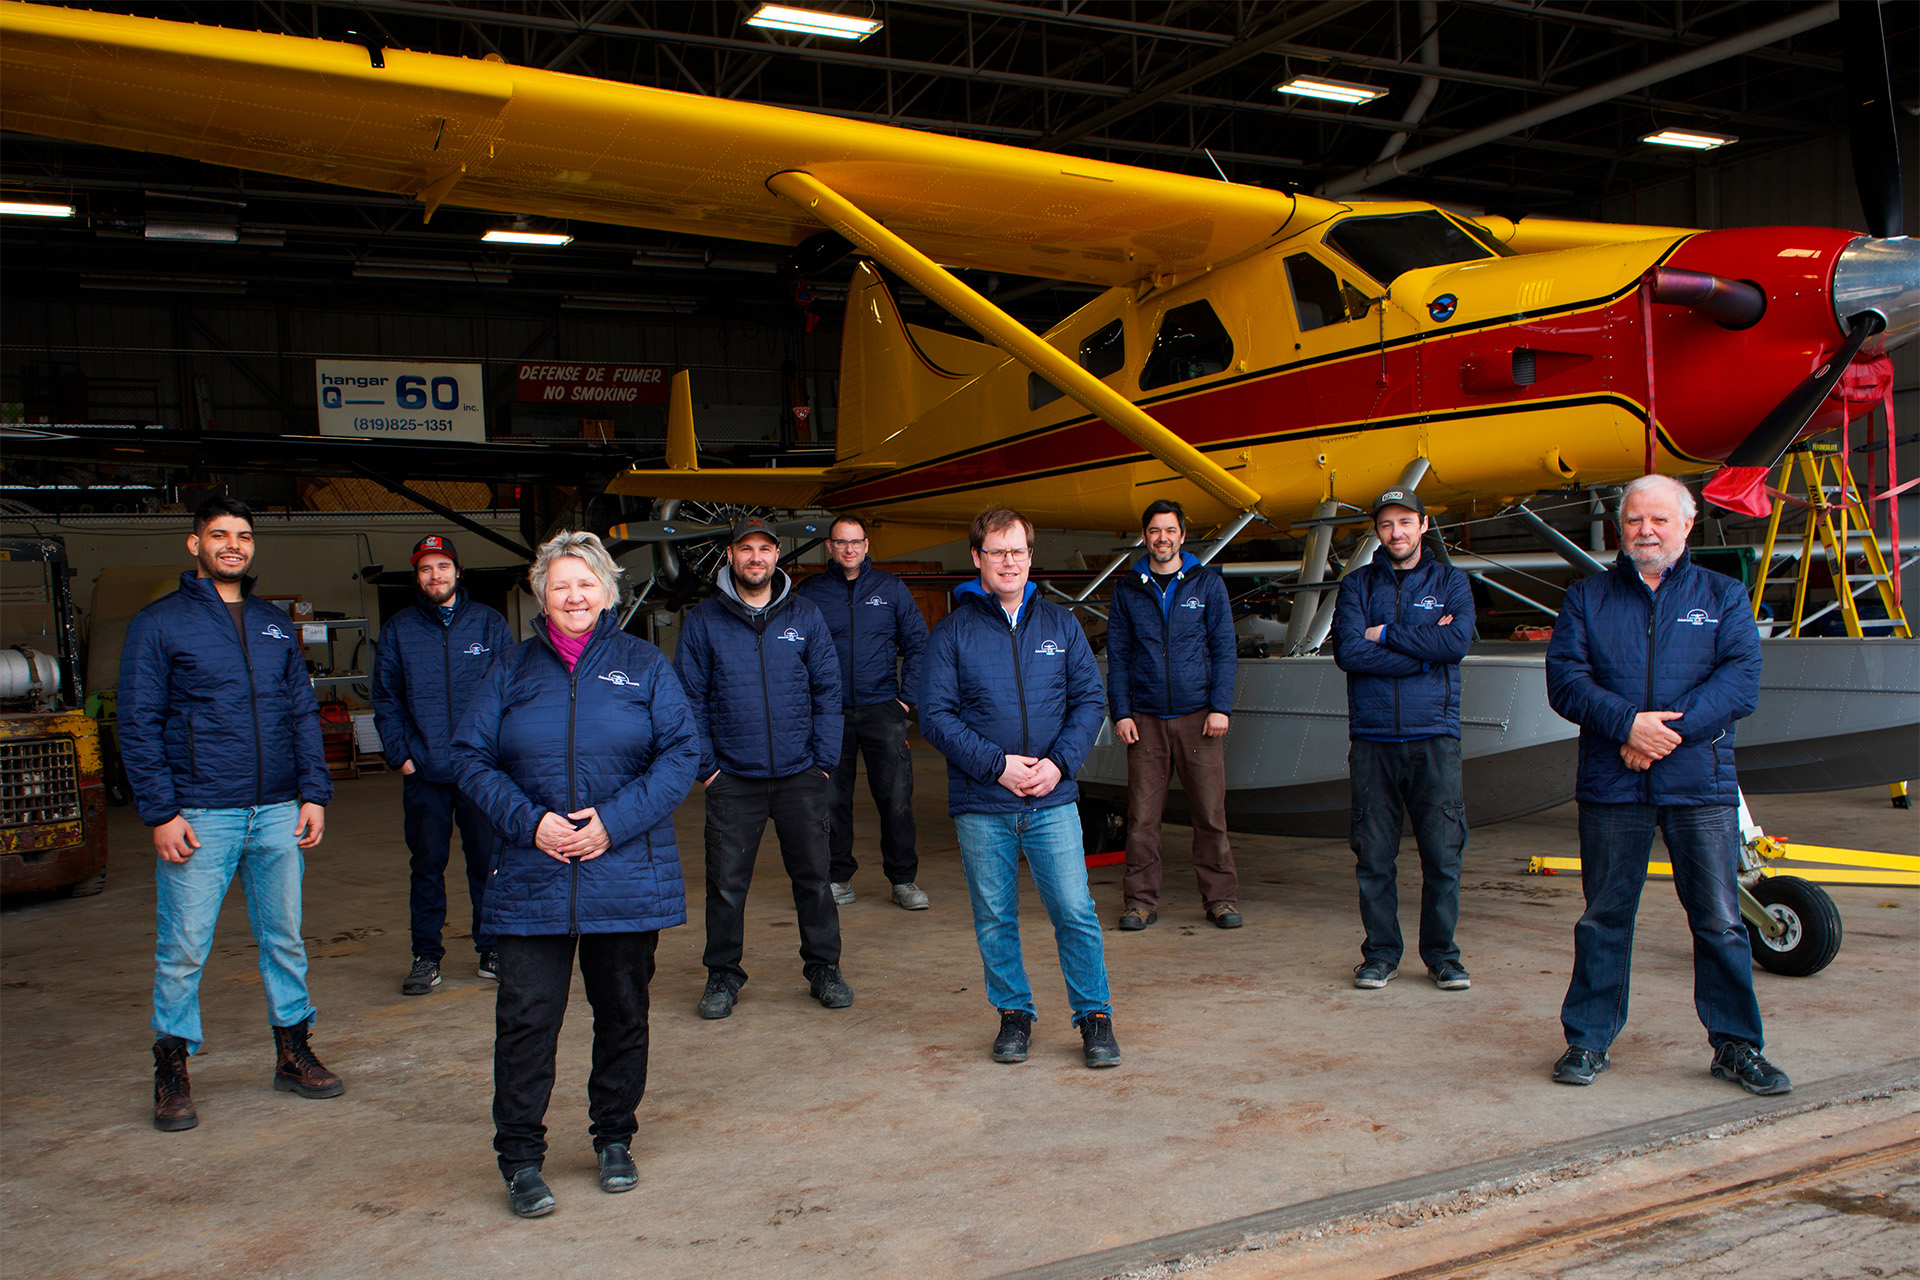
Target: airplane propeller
1874	134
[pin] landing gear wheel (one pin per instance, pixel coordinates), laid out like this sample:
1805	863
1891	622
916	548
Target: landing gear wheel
685	563
1812	938
1103	827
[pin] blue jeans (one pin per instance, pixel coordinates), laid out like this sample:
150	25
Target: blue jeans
1704	843
991	845
260	845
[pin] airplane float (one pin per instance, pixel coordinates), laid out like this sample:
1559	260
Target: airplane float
1256	354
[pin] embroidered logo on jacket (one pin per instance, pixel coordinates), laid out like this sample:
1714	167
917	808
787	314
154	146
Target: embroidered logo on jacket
790	635
476	647
620	678
1426	602
1193	602
877	601
273	629
1697	618
1049	648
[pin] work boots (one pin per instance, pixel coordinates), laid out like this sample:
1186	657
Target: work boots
296	1070
172	1095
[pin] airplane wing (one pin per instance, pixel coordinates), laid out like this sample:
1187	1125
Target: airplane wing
484	134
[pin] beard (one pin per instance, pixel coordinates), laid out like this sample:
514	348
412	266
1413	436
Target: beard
211	567
752	576
440	595
1399	559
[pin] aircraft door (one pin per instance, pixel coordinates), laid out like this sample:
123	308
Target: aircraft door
1338	348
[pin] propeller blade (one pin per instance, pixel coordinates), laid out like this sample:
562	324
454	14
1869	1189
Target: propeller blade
690	531
1871	124
1783	425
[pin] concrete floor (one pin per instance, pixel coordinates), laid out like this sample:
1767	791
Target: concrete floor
792	1141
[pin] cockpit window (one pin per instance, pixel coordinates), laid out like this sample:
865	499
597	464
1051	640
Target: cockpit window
1389	245
1321	298
1105	352
1191	343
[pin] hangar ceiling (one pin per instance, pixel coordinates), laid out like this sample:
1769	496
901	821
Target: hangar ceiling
1510	105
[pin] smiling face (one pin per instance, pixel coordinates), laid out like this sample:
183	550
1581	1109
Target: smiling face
847	544
1004	561
437	577
1400	530
224	548
1164	538
753	560
1653	529
575	597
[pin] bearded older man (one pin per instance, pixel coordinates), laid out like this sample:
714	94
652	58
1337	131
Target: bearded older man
1655	660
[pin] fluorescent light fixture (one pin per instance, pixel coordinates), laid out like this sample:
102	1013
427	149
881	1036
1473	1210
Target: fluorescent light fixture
450	272
1690	139
661	304
202	231
527	237
812	22
1330	90
162	284
36	208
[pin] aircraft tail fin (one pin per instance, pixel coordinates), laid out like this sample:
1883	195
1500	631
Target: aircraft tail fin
683	451
891	372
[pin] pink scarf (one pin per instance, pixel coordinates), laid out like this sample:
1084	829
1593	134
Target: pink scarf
569	648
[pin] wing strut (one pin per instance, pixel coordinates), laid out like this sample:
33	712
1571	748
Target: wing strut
1014	338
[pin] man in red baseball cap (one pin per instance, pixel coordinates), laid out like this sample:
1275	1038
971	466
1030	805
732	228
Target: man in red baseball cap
430	659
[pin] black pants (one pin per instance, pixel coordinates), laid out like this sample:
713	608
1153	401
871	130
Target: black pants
431	810
535	975
879	733
737	814
1391	780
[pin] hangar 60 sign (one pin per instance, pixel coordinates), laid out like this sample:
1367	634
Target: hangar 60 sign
401	400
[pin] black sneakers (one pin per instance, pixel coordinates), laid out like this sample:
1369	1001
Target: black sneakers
830	989
1371	975
1099	1047
527	1193
1449	975
1016	1033
489	966
1580	1066
1740	1062
422	978
617	1170
718	999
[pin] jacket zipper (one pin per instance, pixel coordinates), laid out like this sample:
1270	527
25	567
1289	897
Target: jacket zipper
253	705
573	799
766	698
1019	683
1646	780
853	658
446	674
1166	637
1398	732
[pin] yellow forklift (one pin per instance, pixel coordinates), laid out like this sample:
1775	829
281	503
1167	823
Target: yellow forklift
53	798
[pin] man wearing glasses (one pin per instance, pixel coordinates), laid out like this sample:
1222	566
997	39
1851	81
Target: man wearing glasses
879	636
1011	697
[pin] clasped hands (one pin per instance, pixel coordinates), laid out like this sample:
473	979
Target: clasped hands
559	838
1029	775
1649	740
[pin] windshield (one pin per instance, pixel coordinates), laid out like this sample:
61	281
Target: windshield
1390	245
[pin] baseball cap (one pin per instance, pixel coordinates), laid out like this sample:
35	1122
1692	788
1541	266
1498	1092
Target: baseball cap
434	545
752	524
1400	498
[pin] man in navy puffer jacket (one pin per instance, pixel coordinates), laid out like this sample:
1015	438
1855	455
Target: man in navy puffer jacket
1401	625
1011	696
764	683
1654	660
221	738
879	635
430	659
1171	664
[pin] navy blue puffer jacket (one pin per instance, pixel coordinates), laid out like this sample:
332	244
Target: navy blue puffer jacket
613	735
1173	654
425	674
1619	649
207	724
764	684
991	689
1406	685
878	633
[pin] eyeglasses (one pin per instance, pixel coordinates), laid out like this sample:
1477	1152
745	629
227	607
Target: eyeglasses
846	542
1013	555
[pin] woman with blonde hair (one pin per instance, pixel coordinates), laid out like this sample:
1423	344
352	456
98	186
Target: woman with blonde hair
578	747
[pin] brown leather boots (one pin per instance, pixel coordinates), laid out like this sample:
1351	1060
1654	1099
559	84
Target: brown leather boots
172	1094
297	1070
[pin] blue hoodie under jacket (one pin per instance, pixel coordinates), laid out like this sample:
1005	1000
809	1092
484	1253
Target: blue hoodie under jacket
878	633
1406	686
764	683
206	723
614	735
425	674
1619	649
1170	653
991	689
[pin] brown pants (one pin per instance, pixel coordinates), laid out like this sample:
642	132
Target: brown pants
1164	746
